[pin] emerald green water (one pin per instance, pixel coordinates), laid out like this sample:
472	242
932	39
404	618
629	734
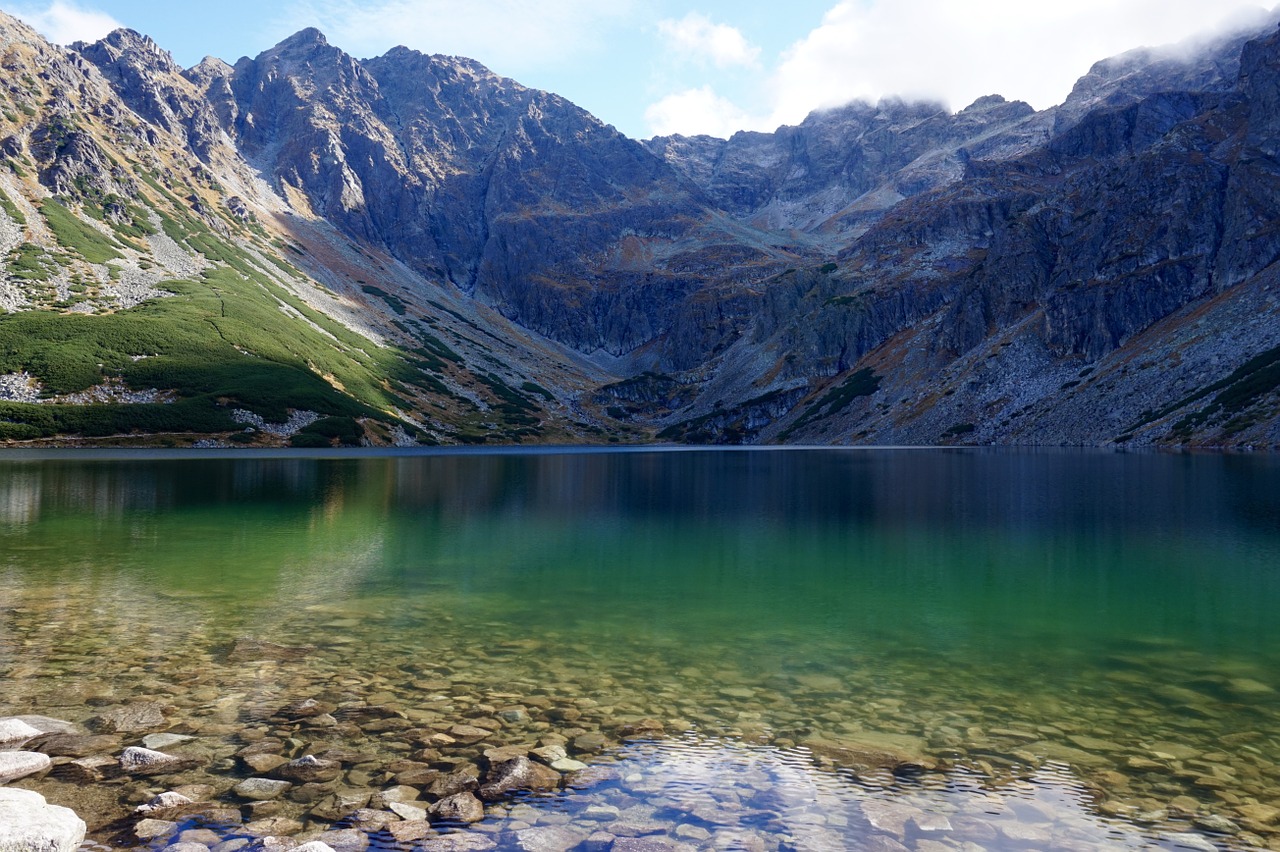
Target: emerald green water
1088	627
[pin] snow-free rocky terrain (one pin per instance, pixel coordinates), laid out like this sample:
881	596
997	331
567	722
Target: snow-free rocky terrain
410	249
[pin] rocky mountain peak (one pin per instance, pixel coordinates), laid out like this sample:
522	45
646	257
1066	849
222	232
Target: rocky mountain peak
303	40
14	31
126	47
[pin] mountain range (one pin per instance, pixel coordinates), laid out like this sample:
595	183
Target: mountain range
412	249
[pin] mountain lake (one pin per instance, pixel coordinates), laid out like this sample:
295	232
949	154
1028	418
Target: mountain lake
804	649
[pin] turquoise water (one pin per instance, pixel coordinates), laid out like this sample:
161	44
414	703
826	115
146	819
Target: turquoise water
1093	633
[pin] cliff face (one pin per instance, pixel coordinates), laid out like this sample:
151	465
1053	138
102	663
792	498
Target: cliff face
1095	272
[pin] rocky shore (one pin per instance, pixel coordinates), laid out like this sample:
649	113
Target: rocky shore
353	728
349	767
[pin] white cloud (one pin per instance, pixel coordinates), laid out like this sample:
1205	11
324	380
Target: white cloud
510	36
63	22
958	51
695	111
695	36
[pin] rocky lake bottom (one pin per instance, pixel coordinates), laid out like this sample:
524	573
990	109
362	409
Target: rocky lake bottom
323	663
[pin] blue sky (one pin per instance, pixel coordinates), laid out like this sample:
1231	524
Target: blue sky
692	66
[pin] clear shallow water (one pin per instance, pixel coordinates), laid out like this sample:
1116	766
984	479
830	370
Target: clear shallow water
1077	643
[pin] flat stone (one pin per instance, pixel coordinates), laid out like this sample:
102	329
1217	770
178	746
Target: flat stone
468	734
519	774
566	764
16	731
460	807
143	761
313	846
515	715
645	844
183	846
263	763
1095	744
163	802
688	831
502	755
590	743
369	820
931	823
1174	751
549	754
400	793
1216	823
409	830
271	843
261	789
149	829
338	805
272	826
551	838
890	817
87	770
856	754
1188	840
30	824
644	729
248	649
74	745
130	718
20	764
1249	686
1021	832
463	779
203	836
407	811
49	725
309	769
305	709
346	840
601	813
1265	814
162	741
458	843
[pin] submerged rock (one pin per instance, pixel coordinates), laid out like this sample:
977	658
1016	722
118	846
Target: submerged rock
309	769
247	649
261	789
460	807
143	761
30	824
130	718
518	774
74	745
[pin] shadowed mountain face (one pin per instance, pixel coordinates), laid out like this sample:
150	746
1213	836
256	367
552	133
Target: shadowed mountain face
1098	271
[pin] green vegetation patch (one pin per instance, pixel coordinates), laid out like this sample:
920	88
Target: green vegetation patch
395	303
217	343
12	210
75	235
30	262
862	383
327	431
1248	383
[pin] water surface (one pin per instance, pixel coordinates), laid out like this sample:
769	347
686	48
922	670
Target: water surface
1071	648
